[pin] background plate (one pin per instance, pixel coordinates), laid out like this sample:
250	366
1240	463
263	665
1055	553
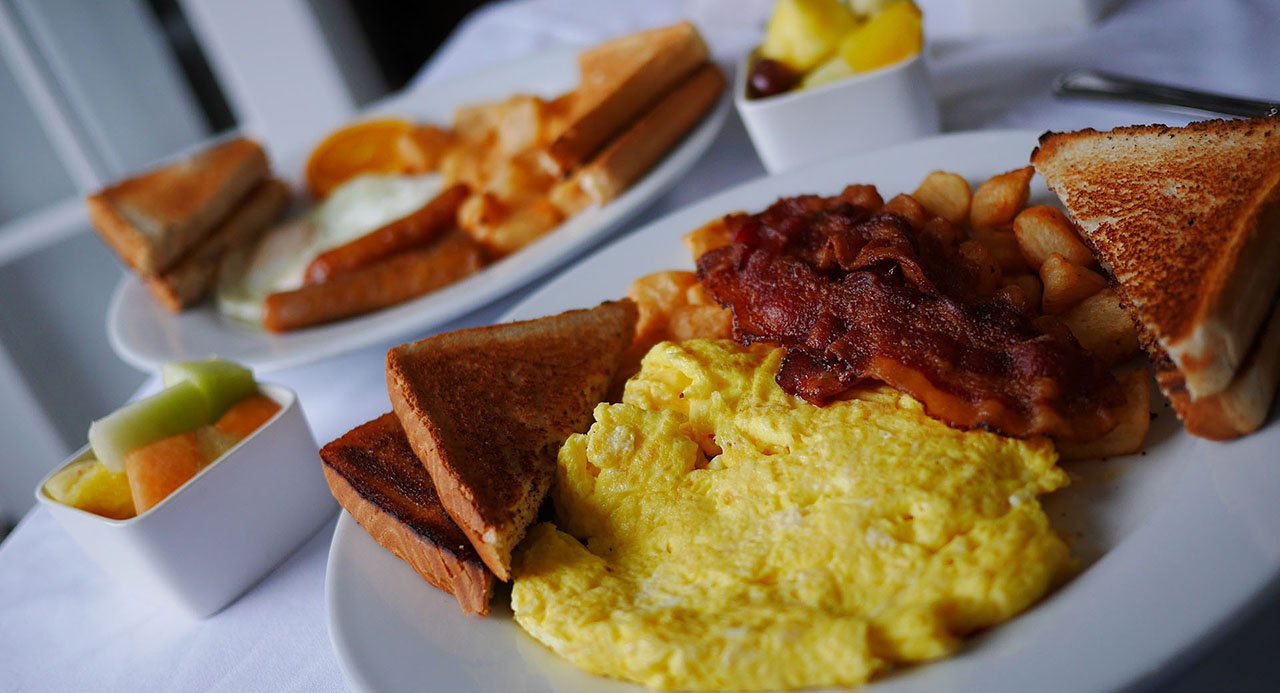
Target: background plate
1173	543
146	335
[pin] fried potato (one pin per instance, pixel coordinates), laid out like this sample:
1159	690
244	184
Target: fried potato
1003	246
1067	284
997	201
1103	327
520	124
945	195
513	231
518	180
480	209
987	270
426	146
1028	283
700	322
709	236
657	295
1131	431
1043	231
908	208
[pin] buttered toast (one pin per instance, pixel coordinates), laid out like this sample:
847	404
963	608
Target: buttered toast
153	219
1187	221
487	409
376	477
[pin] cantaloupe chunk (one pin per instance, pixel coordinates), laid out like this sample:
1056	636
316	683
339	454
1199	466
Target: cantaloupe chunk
157	469
247	415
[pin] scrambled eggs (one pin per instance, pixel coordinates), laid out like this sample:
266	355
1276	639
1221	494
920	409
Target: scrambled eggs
717	533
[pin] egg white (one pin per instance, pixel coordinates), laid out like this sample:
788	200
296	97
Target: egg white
278	262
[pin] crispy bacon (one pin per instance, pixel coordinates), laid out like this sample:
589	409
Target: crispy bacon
856	294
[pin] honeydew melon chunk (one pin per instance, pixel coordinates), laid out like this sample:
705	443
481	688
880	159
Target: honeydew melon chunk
176	409
224	383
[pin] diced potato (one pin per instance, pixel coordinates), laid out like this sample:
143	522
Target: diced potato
697	296
1003	246
700	322
520	121
1029	283
988	274
997	201
1131	431
518	180
1067	284
88	485
480	209
803	33
1043	231
1102	326
908	208
709	236
657	295
890	36
521	227
945	195
425	146
157	469
247	415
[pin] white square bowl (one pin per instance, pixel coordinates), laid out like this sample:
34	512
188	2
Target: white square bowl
859	113
218	534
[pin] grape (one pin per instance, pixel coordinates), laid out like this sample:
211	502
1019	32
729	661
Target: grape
769	77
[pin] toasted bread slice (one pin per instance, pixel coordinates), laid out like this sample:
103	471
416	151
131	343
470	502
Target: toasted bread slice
487	409
1242	407
644	143
194	274
1187	220
619	80
153	219
376	477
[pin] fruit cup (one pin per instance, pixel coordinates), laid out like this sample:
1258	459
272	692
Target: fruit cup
215	536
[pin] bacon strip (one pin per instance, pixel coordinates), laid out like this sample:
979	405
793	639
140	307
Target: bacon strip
855	295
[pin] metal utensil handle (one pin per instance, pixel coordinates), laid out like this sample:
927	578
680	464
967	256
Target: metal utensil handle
1103	85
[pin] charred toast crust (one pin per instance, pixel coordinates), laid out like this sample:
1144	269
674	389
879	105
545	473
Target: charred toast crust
1173	214
487	410
375	475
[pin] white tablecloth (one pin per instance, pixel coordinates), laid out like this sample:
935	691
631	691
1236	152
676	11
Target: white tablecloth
65	627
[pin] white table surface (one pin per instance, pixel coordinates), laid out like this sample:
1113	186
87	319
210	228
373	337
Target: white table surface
65	627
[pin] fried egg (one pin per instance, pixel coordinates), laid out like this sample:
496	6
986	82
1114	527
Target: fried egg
714	533
279	260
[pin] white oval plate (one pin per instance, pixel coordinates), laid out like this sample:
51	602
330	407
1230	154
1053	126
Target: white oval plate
146	335
1173	543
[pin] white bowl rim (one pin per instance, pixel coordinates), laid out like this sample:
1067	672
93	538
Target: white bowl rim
290	400
786	97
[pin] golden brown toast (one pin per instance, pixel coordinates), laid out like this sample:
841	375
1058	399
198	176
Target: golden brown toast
375	476
154	218
487	410
1187	221
1243	406
194	274
618	80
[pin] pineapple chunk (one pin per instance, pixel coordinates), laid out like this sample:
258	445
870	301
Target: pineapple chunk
88	485
893	35
804	33
833	70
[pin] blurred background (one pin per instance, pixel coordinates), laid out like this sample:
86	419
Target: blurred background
90	91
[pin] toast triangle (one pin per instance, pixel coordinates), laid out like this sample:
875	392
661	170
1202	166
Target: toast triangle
487	409
1187	221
